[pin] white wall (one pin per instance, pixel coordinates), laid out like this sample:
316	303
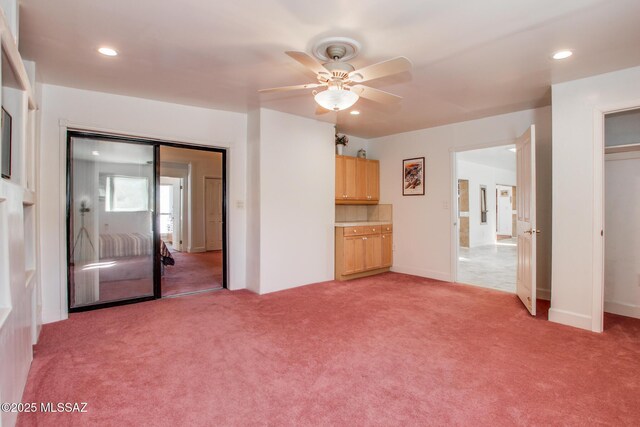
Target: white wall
423	224
355	144
576	211
253	200
477	174
297	173
65	107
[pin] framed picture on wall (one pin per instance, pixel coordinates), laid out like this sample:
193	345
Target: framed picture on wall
5	142
413	177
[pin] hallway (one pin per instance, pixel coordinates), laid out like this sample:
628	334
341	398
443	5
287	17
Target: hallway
489	266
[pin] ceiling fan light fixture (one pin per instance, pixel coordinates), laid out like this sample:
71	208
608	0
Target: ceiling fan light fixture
336	99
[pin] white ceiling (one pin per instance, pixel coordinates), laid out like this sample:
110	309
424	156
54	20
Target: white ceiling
495	157
471	58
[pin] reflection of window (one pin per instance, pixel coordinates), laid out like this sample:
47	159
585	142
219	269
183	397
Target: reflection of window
127	194
483	204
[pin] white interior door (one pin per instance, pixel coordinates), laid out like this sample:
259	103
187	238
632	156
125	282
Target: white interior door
526	215
505	223
213	213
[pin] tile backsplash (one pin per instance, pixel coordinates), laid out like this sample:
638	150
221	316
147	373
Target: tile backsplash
353	213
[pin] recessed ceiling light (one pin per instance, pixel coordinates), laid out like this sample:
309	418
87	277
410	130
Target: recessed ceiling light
95	153
562	54
355	113
107	51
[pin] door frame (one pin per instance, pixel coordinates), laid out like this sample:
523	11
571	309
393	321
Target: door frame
455	229
73	132
599	114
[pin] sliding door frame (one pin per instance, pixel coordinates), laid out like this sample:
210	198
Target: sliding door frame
156	144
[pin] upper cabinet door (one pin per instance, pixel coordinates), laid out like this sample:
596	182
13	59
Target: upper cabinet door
361	179
351	178
373	180
340	179
357	181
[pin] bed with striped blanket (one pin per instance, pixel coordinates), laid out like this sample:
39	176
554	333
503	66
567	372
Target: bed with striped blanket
133	254
125	245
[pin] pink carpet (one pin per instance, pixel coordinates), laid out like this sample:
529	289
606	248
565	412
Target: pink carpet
192	272
388	350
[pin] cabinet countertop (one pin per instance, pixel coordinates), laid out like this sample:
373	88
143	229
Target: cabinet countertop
358	223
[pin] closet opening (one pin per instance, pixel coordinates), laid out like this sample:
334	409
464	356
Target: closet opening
621	210
139	216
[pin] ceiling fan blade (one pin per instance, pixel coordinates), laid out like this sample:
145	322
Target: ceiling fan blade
287	88
376	95
310	62
381	69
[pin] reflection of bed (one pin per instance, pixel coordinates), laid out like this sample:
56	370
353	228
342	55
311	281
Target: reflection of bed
125	245
131	254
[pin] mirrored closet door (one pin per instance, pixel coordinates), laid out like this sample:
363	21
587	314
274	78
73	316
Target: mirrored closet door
111	219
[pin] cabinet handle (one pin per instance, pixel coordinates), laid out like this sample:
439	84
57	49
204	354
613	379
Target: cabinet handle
374	229
384	237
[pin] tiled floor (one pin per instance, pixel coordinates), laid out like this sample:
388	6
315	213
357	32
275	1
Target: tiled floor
491	266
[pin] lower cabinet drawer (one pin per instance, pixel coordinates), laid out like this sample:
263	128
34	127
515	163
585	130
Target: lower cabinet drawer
353	231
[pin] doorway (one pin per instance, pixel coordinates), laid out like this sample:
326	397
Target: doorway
487	251
127	222
621	210
493	164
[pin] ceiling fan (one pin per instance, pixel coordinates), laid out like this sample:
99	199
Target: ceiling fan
340	80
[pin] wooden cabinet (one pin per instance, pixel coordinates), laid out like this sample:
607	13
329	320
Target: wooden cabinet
373	252
357	181
347	175
354	252
363	251
373	180
387	249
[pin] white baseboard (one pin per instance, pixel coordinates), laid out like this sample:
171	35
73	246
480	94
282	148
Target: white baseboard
544	294
569	318
622	309
429	274
198	249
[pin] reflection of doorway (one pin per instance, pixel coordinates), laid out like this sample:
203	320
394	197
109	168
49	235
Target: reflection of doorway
199	265
213	213
170	211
